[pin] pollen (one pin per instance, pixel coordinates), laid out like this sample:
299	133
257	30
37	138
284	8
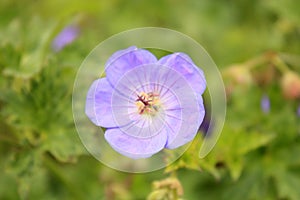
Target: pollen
147	103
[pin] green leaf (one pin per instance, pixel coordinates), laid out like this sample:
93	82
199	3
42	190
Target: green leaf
42	114
31	47
288	183
64	145
25	167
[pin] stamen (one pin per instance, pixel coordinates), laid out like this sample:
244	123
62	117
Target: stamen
147	103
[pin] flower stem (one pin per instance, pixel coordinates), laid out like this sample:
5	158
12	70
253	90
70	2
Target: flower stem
292	60
279	64
52	166
256	61
175	196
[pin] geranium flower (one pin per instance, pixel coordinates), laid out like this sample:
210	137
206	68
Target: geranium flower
147	104
65	37
265	104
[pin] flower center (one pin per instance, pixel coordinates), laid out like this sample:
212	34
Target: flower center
147	103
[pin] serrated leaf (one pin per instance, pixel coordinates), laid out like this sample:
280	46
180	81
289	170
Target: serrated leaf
252	141
189	159
234	144
64	145
25	167
34	45
235	167
288	184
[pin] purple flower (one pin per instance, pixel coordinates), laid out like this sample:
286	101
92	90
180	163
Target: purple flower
298	111
66	36
205	124
265	104
147	104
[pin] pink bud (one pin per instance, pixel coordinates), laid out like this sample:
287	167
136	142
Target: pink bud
290	84
238	74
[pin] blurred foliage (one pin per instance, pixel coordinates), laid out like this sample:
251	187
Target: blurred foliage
256	44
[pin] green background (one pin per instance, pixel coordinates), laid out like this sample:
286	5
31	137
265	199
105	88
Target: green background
254	43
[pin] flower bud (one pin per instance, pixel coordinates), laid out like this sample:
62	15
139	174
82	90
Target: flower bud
265	75
158	194
238	74
290	84
170	184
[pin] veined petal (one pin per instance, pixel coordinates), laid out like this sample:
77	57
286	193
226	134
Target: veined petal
185	133
134	147
184	109
133	83
98	104
124	60
181	106
183	64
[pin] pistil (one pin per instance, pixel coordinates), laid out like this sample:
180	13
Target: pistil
147	103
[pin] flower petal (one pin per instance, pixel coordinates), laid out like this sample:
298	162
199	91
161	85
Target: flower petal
124	60
182	109
183	64
135	147
184	132
98	103
124	99
66	36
